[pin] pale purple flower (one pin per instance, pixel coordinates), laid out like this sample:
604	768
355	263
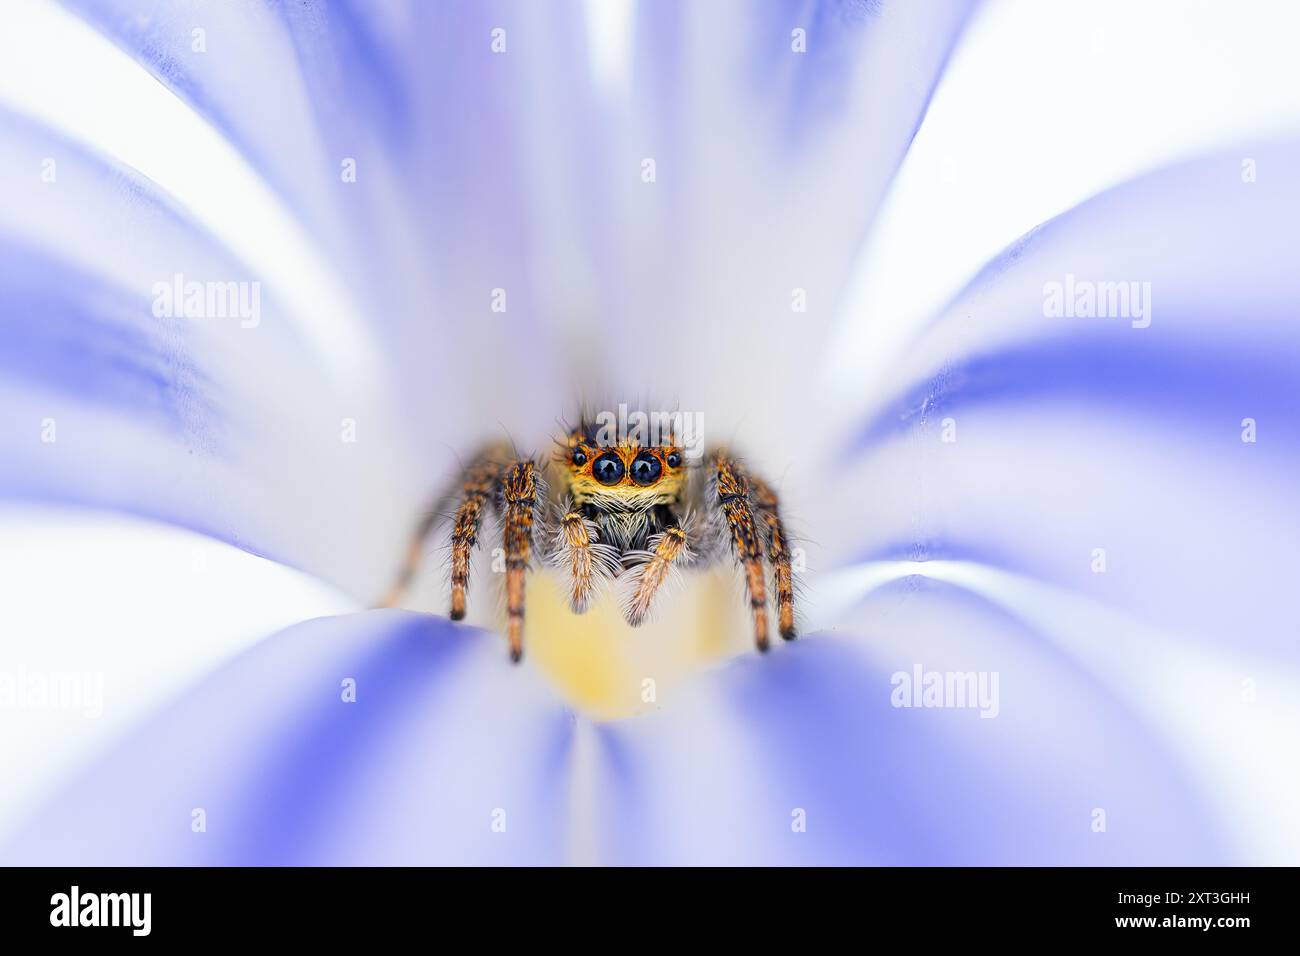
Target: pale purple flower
1087	509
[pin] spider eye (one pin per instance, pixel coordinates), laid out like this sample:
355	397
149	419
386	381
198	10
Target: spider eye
646	469
674	459
608	469
579	457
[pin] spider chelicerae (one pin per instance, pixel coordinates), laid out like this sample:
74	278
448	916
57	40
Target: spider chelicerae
623	512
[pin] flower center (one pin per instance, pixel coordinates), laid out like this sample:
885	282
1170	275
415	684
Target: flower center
609	670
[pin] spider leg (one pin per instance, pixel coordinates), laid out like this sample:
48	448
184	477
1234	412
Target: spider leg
474	487
480	482
411	561
666	550
778	554
519	493
580	554
731	488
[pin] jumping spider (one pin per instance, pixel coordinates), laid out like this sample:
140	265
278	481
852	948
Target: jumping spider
626	512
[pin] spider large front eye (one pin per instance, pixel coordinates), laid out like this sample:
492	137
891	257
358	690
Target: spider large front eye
608	469
646	469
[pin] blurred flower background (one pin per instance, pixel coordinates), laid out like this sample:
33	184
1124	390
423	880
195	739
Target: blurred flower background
833	229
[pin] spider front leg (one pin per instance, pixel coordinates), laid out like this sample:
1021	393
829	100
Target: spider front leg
581	556
667	550
730	487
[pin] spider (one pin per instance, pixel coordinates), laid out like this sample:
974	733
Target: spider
626	513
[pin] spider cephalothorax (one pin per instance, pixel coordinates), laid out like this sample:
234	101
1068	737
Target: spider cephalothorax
623	512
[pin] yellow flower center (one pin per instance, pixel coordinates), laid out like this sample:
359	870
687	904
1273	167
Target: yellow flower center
610	670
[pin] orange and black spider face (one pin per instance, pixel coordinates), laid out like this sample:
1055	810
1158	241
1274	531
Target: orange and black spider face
627	471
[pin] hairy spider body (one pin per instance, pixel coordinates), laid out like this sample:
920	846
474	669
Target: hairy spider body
623	514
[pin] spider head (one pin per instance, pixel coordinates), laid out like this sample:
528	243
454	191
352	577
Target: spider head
621	472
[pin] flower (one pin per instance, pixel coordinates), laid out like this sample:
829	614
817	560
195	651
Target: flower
1045	516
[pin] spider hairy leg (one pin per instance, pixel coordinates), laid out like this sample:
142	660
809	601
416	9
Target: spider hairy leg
411	562
778	554
670	548
732	489
479	483
576	558
483	468
519	490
